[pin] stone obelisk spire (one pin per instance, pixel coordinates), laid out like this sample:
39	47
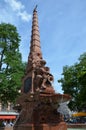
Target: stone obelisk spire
35	49
35	37
38	77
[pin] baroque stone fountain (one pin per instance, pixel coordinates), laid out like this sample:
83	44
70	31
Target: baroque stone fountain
38	102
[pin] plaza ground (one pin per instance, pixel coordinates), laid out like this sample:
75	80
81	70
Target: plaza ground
11	128
76	129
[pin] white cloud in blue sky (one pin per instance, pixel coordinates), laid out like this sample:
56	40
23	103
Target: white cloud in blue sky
62	25
19	8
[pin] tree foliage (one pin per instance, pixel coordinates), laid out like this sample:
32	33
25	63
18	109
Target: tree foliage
11	66
74	83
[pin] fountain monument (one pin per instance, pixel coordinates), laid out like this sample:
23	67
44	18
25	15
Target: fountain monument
38	102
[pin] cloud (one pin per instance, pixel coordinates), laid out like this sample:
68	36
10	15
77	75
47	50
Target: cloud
7	16
16	5
24	16
19	8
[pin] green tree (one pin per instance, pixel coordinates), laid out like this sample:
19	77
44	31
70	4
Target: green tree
74	83
11	66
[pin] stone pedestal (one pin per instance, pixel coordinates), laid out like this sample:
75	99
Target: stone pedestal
60	126
39	112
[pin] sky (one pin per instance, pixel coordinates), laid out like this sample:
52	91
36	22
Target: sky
62	25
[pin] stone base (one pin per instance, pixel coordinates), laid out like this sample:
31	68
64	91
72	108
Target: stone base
60	126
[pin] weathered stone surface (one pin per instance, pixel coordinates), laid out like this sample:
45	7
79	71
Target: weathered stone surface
60	126
38	102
